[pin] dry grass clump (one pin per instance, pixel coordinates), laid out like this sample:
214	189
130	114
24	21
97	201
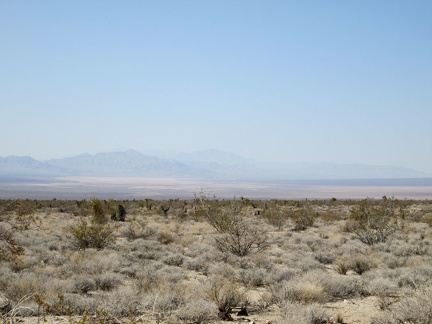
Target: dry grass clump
205	259
197	311
307	314
414	308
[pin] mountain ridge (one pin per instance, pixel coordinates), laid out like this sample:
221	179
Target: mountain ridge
207	164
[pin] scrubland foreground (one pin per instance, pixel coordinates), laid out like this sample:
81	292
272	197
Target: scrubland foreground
207	261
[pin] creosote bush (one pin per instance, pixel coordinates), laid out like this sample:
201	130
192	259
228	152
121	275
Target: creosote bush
303	217
237	233
23	211
376	221
90	235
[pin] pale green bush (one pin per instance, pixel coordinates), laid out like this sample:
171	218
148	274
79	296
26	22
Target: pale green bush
90	235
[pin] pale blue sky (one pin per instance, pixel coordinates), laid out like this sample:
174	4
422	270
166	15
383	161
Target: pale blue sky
340	81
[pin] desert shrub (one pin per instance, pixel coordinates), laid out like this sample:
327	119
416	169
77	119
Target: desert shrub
122	303
237	233
275	216
168	297
22	285
305	314
197	312
226	294
83	284
375	222
9	247
393	262
303	217
339	287
325	256
298	291
357	263
254	277
147	279
413	309
280	275
107	281
376	285
176	259
138	229
93	235
360	264
165	238
206	253
145	249
415	277
97	262
129	271
79	304
302	260
222	270
20	214
245	235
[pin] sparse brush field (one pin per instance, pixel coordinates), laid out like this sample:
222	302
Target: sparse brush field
207	261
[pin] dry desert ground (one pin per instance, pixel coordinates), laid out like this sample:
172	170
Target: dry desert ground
210	260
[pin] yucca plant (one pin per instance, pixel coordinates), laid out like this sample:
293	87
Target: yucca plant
97	210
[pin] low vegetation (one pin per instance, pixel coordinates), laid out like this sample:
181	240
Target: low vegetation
207	260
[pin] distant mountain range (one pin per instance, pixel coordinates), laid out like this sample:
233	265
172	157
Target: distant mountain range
209	164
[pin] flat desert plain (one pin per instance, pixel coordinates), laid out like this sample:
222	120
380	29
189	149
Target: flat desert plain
164	188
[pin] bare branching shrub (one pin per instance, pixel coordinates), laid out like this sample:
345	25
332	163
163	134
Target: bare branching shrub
237	233
246	235
375	221
9	247
90	235
20	214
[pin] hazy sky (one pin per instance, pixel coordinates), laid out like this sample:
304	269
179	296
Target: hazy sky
341	81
